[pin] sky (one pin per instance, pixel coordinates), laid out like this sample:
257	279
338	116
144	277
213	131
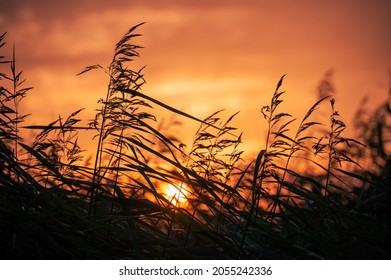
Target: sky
202	56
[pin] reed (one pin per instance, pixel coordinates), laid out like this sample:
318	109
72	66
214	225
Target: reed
306	195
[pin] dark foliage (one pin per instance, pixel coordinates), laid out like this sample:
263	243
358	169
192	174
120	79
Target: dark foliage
309	194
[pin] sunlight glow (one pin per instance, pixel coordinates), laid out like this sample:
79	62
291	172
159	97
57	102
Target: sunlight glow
176	193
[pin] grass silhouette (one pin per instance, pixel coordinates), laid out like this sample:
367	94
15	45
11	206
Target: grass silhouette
307	195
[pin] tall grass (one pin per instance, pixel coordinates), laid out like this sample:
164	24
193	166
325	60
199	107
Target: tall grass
306	195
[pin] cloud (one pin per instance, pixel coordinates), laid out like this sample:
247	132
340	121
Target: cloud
238	48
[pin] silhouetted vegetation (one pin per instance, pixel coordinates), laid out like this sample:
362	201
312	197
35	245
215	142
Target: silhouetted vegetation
311	193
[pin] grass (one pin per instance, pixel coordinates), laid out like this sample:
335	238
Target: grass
309	193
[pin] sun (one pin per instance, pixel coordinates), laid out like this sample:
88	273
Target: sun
176	193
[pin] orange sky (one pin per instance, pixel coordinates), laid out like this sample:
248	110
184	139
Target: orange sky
202	56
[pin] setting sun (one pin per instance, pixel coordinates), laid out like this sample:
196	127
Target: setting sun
176	193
